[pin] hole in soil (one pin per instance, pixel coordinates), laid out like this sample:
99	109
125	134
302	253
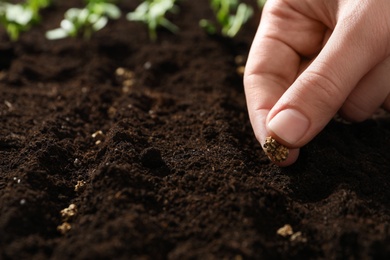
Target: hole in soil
6	57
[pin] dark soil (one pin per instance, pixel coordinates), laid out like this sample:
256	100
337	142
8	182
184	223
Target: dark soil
176	172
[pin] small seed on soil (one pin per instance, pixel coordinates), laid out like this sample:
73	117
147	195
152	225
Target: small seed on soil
240	70
275	151
98	135
69	212
285	231
79	186
128	83
8	104
239	59
64	227
125	73
298	237
120	71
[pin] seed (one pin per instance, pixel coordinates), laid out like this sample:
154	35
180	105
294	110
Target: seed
239	59
99	135
285	231
275	151
240	70
79	186
298	237
69	212
64	227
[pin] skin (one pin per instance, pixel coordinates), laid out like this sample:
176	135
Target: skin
318	58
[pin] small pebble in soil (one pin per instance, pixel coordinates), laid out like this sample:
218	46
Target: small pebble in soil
77	162
151	158
147	65
275	151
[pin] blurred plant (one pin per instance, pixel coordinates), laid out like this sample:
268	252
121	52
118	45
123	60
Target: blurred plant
17	18
231	16
152	13
261	3
36	5
84	22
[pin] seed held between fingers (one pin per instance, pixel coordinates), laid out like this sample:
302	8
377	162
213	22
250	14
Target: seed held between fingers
276	152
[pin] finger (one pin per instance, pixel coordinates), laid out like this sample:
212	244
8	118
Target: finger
273	65
370	93
318	93
258	123
386	103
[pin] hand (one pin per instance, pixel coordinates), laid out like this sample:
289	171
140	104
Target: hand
313	58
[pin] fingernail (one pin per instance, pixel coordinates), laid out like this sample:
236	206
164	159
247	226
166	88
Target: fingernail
289	125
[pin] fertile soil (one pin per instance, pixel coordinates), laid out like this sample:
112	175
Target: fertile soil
176	172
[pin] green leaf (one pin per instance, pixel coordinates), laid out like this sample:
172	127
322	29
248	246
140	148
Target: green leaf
224	13
244	12
152	13
85	21
56	34
112	11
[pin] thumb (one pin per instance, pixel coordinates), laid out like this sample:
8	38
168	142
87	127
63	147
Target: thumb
318	93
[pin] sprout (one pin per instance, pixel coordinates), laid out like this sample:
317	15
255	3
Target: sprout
17	18
152	13
18	14
36	5
86	21
230	23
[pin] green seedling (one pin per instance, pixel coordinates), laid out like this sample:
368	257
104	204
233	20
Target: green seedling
152	13
84	22
17	18
261	3
231	16
36	5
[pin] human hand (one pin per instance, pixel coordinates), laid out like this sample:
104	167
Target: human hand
312	59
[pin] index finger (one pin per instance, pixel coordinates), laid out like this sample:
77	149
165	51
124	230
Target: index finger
283	37
267	76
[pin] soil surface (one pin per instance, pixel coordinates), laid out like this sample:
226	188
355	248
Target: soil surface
159	159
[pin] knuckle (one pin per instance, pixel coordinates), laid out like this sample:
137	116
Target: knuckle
353	112
326	90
